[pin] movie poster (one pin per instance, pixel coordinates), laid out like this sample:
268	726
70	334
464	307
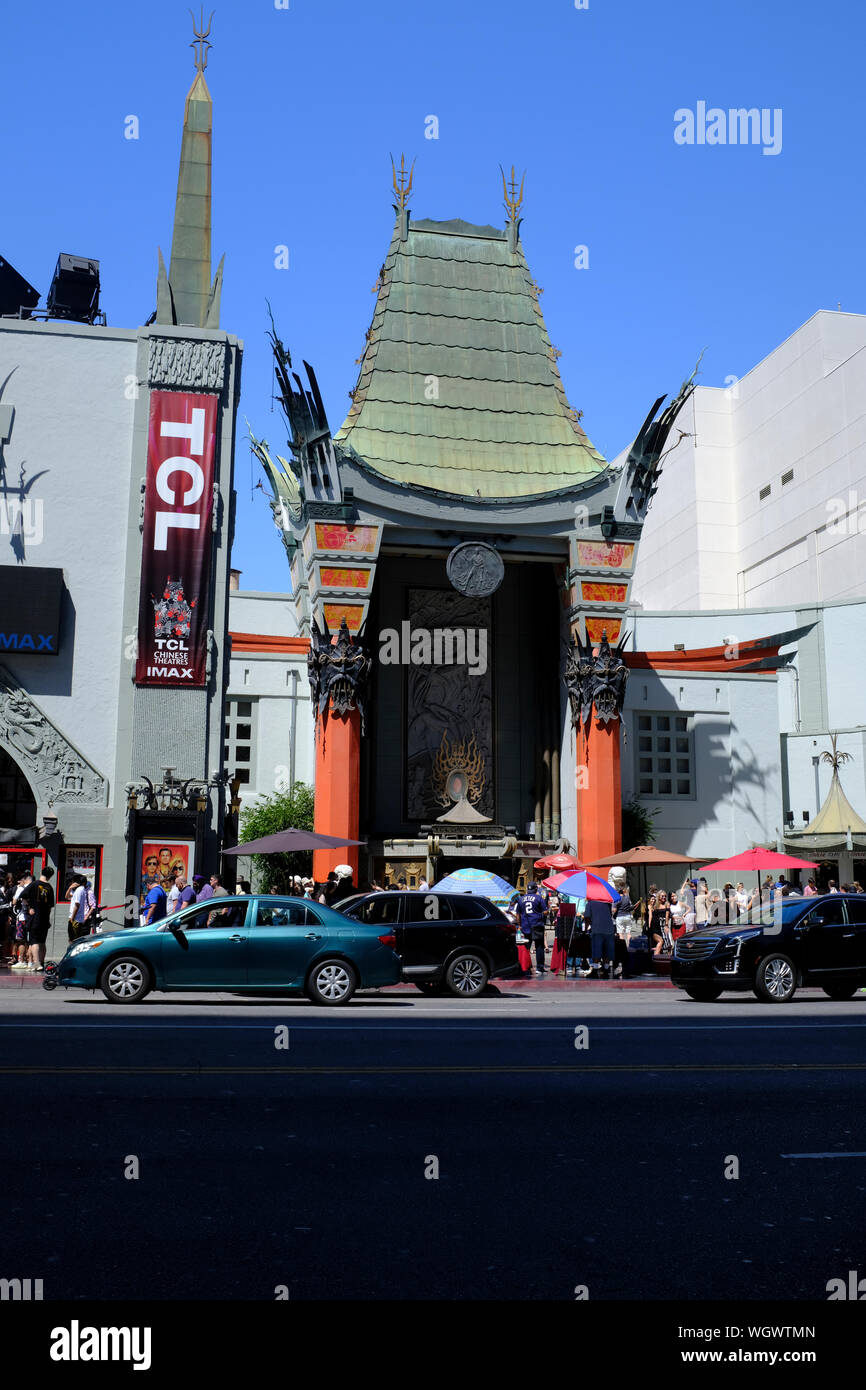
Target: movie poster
177	541
158	860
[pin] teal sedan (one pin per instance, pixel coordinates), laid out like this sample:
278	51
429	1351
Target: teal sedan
237	945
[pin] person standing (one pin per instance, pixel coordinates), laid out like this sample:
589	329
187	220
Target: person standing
155	905
22	911
203	890
344	886
658	922
599	916
82	905
41	898
185	893
216	887
173	892
532	909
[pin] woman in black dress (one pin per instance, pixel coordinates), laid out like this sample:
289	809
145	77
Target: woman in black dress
659	918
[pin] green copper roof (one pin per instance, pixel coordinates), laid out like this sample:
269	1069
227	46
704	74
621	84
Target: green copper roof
459	389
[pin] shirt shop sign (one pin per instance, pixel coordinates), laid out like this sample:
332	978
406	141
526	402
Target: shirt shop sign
178	540
30	599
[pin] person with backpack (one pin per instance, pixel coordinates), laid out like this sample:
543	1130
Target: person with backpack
532	911
40	896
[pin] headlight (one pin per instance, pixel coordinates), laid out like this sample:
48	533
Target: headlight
741	936
85	946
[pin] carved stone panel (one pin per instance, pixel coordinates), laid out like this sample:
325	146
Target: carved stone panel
185	364
55	769
445	699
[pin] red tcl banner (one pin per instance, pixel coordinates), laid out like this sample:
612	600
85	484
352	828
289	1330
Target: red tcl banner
178	540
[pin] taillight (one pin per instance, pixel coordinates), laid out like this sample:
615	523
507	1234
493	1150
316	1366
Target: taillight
389	940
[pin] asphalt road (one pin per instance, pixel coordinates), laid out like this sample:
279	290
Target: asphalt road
558	1166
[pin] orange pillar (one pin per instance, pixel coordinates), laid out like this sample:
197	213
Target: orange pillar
338	789
599	791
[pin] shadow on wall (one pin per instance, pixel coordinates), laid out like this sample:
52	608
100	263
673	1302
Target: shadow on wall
727	776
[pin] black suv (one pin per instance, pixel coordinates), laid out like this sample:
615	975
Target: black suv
447	941
801	941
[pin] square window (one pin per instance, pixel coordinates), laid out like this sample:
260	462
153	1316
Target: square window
663	745
682	724
243	731
645	764
242	752
663	721
664	764
646	786
243	708
683	765
645	745
684	788
664	786
682	745
243	776
644	721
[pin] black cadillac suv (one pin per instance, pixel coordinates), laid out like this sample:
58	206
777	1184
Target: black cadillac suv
448	942
800	941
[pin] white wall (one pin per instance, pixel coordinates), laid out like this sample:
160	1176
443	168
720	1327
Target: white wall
271	681
709	540
73	389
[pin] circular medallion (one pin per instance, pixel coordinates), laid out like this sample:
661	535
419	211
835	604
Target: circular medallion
475	569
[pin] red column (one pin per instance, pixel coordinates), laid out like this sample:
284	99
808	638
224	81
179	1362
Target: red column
338	789
599	791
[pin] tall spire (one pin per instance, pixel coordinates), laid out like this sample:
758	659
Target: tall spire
185	295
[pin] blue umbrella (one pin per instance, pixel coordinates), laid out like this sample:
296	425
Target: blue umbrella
479	882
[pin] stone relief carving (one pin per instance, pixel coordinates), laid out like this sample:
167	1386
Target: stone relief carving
183	363
446	699
56	771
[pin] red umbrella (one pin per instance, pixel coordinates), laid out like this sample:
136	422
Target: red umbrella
559	861
758	859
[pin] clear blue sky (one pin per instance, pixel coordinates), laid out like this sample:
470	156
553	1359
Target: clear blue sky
689	247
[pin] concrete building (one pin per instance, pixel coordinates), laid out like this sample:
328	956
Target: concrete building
763	501
116	449
268	742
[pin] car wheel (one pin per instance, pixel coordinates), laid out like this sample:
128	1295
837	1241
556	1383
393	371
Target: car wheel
125	980
776	980
466	976
841	991
331	982
704	994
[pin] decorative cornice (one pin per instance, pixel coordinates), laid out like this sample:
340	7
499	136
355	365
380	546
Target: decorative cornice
55	769
185	364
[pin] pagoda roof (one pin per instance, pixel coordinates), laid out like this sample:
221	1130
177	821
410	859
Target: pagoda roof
459	389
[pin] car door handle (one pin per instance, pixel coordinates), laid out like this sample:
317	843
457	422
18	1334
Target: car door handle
313	936
237	938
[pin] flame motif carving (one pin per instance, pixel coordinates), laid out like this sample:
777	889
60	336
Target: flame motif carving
464	757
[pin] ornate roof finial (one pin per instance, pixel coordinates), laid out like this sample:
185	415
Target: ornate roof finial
201	39
404	187
513	199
